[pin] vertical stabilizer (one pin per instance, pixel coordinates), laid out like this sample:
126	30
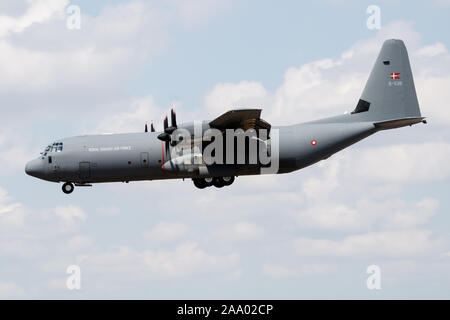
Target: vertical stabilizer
389	93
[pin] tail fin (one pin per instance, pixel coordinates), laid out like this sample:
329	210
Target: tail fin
390	94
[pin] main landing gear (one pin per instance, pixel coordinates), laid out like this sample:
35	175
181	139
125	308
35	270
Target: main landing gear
217	182
67	188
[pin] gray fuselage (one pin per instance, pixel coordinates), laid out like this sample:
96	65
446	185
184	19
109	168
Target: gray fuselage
388	101
141	156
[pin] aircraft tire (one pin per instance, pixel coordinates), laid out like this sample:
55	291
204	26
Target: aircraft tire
199	183
227	181
218	182
209	181
68	188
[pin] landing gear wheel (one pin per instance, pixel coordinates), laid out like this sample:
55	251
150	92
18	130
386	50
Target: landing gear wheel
218	182
228	180
67	188
209	181
199	183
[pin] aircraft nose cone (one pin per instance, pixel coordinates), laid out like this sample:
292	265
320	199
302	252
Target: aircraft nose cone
34	168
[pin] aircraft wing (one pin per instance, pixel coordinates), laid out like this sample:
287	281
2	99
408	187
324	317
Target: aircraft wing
240	118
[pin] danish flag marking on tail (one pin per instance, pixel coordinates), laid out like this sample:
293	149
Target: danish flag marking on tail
395	76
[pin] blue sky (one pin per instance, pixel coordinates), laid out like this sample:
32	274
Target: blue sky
383	201
259	40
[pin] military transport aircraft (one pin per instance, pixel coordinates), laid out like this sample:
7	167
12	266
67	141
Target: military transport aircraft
388	101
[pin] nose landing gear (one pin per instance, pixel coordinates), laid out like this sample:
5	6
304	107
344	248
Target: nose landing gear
68	188
218	182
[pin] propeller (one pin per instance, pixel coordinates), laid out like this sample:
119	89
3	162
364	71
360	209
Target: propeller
165	136
152	128
146	127
173	120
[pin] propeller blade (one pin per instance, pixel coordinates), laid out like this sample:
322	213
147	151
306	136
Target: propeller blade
146	127
152	128
164	136
173	118
166	123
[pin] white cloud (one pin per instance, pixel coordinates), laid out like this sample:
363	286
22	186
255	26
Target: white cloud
12	214
198	12
186	259
49	57
403	163
141	111
321	188
13	152
442	2
367	213
330	216
241	231
78	242
302	270
225	96
23	247
358	192
10	290
13	8
45	55
432	50
39	11
408	216
374	244
14	158
166	232
445	254
57	284
69	216
106	210
301	94
360	189
432	87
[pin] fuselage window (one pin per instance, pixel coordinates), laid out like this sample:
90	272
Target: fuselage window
49	159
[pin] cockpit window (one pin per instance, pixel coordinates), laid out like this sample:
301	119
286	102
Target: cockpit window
54	147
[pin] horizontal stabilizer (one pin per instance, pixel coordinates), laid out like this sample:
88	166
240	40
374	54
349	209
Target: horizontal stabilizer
398	123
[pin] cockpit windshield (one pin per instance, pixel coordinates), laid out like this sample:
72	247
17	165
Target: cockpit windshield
55	147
